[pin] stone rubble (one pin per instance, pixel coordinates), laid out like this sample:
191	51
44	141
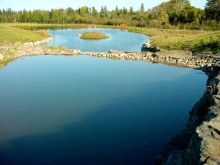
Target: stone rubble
154	55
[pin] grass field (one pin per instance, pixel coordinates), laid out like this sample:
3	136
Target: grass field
193	40
167	39
10	35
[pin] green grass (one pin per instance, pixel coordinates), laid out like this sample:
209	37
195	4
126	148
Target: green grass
93	36
193	40
58	48
167	39
11	35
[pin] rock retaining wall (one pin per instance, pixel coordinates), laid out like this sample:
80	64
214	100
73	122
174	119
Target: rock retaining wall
180	58
177	58
169	58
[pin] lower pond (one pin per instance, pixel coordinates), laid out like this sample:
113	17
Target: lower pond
83	110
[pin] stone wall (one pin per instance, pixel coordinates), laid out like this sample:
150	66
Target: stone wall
177	57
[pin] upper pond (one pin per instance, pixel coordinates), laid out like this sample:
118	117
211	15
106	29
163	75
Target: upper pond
118	40
83	110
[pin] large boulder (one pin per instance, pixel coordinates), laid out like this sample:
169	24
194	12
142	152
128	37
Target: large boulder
147	48
218	55
37	43
116	51
204	54
28	44
179	54
204	147
3	49
1	57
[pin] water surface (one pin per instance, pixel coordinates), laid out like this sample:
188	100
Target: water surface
91	111
118	40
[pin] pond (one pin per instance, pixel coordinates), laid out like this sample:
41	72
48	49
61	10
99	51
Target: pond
85	110
118	40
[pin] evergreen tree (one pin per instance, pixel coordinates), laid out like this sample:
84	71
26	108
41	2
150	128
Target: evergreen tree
116	9
131	10
142	7
94	11
173	12
212	10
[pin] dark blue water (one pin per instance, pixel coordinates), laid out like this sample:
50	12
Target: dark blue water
118	40
91	111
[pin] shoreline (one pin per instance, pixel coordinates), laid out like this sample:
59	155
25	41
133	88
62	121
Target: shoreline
178	58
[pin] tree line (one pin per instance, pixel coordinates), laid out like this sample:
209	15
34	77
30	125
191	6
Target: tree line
173	13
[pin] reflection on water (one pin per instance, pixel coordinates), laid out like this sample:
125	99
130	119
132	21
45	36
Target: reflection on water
91	111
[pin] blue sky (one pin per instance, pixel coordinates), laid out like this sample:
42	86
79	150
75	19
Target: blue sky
110	4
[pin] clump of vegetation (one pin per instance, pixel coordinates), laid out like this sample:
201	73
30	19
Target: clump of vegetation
93	36
58	48
44	33
209	44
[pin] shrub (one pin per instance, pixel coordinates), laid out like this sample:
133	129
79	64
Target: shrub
211	44
44	33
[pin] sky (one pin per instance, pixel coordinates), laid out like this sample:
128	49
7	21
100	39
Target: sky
75	4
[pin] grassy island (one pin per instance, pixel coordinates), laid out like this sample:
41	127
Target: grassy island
93	36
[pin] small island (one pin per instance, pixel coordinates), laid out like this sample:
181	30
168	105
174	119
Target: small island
93	36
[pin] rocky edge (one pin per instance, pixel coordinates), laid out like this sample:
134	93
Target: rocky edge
154	55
